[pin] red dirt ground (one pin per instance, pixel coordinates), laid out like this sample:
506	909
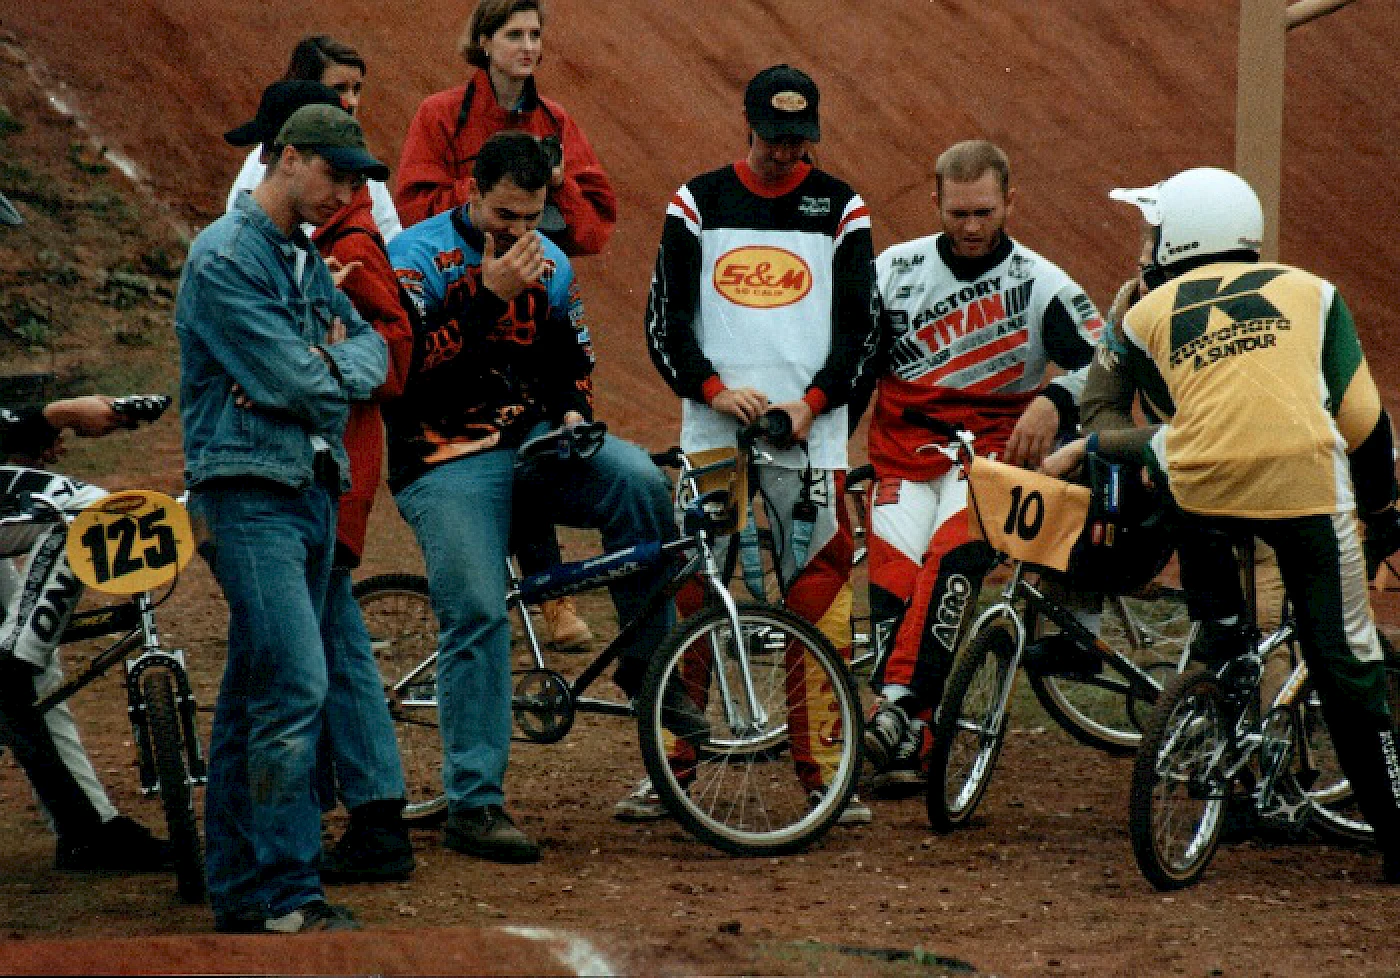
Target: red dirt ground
1085	96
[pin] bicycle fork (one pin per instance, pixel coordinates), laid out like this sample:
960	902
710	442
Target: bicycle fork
752	718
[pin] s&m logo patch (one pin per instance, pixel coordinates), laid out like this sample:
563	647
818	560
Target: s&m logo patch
762	277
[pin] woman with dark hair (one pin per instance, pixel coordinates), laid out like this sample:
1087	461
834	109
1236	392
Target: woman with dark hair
502	40
337	65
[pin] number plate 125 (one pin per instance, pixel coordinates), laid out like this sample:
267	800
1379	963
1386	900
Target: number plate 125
130	542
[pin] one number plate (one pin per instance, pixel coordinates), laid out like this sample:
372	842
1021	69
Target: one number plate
130	542
1024	514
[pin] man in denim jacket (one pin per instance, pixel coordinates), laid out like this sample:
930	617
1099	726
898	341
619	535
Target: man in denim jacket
271	356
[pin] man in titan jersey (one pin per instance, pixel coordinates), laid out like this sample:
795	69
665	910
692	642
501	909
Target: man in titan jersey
970	319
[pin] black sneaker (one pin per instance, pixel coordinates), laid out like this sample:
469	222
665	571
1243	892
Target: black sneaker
489	833
682	717
1060	655
317	915
907	774
120	845
369	854
885	733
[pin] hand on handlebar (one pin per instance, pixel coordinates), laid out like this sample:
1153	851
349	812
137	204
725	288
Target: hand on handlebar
744	403
1034	435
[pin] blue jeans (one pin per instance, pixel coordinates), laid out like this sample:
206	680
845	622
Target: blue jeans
363	745
270	549
460	512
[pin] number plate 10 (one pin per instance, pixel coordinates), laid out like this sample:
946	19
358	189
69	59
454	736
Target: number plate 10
1024	514
130	542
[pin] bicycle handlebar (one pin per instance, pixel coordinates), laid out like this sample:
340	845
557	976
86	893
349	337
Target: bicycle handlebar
566	442
775	426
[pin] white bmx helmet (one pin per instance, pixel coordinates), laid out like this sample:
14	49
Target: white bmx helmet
1204	211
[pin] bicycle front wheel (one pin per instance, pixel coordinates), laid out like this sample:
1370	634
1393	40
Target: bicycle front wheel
1101	710
403	632
1179	793
971	727
176	792
726	778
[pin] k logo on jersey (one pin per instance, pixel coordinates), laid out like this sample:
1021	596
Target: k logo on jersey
1240	300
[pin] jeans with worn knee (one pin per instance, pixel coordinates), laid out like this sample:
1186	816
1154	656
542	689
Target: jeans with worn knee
270	549
363	745
460	512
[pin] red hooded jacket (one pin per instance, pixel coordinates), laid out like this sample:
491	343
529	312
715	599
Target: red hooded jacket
352	236
447	132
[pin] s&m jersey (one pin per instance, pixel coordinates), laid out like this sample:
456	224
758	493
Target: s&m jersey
769	288
967	340
481	365
1270	387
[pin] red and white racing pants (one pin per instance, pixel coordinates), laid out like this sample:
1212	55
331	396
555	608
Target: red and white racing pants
925	574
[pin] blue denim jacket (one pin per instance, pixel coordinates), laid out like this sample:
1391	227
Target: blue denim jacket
242	319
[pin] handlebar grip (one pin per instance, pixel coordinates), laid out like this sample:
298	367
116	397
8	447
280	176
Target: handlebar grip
774	425
920	420
669	459
859	474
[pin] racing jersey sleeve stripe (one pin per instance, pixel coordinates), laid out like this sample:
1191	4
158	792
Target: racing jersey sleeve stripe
856	215
683	206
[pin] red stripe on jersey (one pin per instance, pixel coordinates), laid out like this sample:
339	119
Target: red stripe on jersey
999	380
678	201
856	214
976	355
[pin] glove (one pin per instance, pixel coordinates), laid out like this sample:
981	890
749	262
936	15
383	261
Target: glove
1382	538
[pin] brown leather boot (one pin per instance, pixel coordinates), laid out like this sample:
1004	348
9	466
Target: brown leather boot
568	632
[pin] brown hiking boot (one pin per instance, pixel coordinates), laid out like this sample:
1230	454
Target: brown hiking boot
568	632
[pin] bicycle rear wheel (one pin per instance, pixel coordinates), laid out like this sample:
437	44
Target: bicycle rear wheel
733	786
1101	710
970	727
403	631
1177	800
176	792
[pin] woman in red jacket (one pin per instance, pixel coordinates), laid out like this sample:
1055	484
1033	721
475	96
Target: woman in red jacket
502	40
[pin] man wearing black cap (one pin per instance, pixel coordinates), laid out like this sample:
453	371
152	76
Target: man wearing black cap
761	301
271	355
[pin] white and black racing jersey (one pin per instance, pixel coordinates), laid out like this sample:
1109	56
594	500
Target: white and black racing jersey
766	288
968	340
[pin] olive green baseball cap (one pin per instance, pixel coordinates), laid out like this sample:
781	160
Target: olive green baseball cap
332	133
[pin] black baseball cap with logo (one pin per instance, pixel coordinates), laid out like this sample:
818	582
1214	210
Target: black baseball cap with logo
279	100
333	134
782	101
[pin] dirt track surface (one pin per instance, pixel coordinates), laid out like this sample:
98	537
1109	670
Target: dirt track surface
1085	96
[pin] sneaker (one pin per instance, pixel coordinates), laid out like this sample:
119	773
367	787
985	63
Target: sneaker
568	632
643	804
120	845
907	774
1060	655
885	733
489	833
369	853
318	915
1217	644
856	811
682	717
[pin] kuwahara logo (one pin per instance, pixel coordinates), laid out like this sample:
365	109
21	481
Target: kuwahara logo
762	277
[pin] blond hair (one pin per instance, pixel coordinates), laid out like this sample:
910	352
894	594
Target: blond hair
966	161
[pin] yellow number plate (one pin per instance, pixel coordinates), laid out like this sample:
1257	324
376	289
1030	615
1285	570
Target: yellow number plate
130	542
1024	514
